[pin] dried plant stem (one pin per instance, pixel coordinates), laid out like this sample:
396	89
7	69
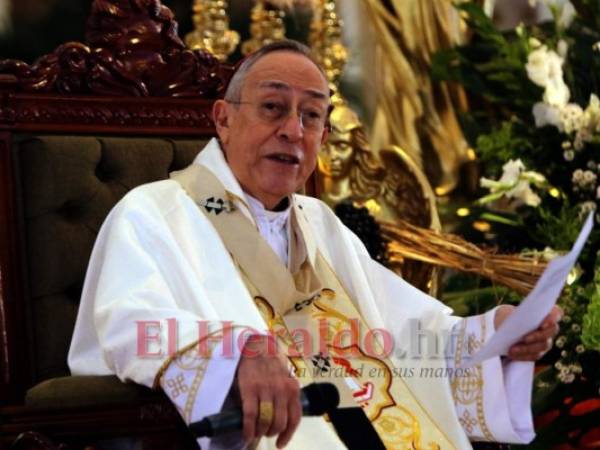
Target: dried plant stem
515	271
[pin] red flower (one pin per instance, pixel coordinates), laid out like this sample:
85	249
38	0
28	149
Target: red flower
546	418
585	407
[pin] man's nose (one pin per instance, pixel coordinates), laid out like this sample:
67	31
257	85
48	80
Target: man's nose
291	128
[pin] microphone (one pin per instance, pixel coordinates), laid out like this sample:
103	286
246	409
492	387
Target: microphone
316	399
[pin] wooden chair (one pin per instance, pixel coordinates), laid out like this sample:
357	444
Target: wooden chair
78	129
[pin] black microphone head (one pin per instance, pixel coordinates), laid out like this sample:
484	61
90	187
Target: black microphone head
321	398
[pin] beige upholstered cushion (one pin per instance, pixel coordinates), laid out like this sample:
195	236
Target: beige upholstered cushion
68	185
77	391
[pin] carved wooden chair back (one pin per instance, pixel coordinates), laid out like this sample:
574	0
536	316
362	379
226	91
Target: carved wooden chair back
78	129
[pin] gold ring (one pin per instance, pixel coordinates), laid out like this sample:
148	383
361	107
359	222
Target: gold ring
265	413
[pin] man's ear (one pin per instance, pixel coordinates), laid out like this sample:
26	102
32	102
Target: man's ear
325	135
221	118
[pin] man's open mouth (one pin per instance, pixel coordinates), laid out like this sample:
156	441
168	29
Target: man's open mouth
284	158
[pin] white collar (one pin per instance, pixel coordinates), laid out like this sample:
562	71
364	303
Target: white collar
277	219
213	158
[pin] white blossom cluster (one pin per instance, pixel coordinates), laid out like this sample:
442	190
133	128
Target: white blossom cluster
545	69
584	180
567	371
580	125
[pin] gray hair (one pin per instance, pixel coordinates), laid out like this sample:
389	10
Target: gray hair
234	89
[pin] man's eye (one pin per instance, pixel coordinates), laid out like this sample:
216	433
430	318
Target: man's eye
272	109
313	115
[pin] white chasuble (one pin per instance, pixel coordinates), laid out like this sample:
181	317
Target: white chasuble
160	268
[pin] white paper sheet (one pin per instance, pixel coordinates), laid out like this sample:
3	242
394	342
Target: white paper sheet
537	305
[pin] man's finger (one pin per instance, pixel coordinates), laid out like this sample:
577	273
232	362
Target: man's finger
266	412
294	417
250	411
530	352
541	334
281	416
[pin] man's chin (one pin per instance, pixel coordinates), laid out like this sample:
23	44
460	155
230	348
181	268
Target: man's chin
276	195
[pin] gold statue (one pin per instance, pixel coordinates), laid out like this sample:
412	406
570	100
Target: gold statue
211	29
413	112
352	172
266	26
389	185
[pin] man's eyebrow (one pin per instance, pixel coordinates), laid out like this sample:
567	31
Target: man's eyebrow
280	85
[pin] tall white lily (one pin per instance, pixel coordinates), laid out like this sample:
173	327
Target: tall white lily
514	184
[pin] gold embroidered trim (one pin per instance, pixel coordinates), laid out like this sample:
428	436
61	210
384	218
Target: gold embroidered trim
480	411
179	353
191	398
461	388
424	410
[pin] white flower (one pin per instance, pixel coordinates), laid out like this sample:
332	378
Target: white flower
534	43
545	114
523	192
584	209
584	179
566	15
511	171
557	93
571	117
537	65
589	177
596	46
569	155
562	48
598	193
515	183
544	68
591	115
569	378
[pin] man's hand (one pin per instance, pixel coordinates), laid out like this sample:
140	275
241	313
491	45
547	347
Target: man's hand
266	384
535	344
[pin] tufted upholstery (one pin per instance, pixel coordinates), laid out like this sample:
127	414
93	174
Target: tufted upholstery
68	185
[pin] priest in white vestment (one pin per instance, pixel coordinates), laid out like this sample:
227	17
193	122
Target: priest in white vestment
194	281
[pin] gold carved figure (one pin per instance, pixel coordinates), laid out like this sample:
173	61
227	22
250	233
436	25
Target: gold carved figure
211	29
266	26
389	185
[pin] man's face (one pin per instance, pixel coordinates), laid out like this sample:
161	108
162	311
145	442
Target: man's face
270	150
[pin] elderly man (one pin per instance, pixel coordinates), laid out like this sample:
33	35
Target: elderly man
217	282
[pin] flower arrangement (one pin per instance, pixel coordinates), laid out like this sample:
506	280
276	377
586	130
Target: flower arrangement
534	124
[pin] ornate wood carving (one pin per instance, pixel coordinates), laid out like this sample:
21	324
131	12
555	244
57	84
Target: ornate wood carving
158	116
132	49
